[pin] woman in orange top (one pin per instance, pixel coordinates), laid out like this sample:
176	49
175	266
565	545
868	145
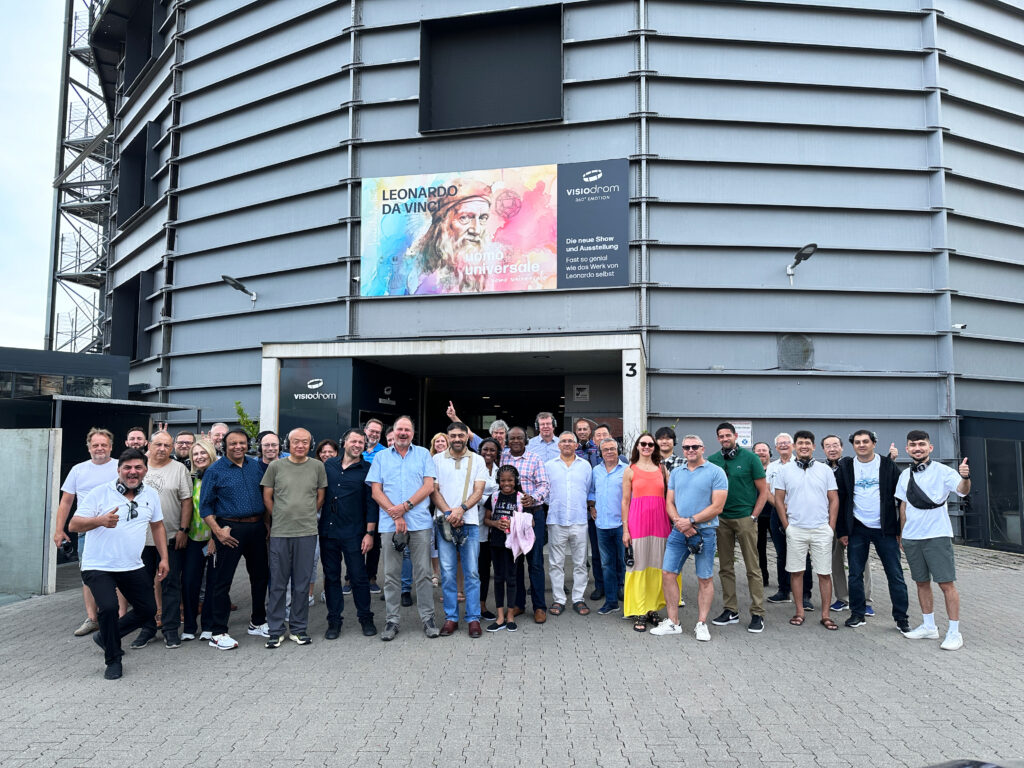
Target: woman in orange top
645	529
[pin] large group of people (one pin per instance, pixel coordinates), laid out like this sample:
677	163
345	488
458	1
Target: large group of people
163	527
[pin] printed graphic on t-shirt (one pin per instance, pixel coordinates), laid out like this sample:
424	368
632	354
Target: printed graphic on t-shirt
504	508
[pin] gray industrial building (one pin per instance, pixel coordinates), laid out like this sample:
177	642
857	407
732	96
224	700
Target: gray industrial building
888	132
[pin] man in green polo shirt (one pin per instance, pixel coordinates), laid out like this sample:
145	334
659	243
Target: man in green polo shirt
748	492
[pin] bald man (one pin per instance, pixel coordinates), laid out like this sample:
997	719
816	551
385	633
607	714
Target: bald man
293	490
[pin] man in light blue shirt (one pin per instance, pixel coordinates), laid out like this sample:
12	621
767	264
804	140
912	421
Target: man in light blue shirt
696	496
605	502
544	443
569	477
402	479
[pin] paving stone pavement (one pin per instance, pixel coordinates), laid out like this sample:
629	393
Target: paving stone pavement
577	691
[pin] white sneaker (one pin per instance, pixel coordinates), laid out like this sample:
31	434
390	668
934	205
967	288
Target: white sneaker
954	641
312	600
186	636
223	642
701	632
667	627
207	635
923	633
263	630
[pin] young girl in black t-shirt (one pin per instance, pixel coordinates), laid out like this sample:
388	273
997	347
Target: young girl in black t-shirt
504	504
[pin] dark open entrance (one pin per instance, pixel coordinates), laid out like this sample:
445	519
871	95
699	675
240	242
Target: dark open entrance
480	400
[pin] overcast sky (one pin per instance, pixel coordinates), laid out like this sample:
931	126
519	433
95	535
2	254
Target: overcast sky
30	59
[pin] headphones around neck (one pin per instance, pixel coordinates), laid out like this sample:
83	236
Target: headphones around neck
123	489
922	466
804	464
731	453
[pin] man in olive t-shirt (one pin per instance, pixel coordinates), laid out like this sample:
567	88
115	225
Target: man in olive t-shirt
748	492
293	490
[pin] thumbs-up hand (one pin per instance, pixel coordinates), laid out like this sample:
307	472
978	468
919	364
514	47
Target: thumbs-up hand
893	452
964	470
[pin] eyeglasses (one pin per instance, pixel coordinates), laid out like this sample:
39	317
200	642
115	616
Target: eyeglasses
692	447
646	445
133	510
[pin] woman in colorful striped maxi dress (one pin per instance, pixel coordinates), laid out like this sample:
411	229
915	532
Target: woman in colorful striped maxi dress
645	527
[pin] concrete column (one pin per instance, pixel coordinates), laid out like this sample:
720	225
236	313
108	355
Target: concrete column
634	395
270	392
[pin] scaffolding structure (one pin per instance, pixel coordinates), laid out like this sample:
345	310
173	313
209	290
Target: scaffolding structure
76	304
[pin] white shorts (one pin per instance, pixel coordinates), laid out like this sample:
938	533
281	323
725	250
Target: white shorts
817	541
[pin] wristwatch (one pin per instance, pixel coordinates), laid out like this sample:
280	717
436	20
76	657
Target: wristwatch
182	530
692	522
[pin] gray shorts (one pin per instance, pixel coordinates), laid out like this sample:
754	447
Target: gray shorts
930	559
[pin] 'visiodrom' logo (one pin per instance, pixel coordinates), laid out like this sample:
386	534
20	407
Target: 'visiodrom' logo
314	383
593	175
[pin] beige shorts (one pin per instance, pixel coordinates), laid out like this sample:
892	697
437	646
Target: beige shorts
817	541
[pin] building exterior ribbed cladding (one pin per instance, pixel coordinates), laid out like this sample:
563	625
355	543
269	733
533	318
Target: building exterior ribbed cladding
887	132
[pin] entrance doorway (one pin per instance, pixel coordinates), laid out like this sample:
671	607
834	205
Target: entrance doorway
604	375
481	400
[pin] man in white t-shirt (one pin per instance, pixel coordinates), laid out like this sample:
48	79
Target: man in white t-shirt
784	445
117	515
928	534
458	488
80	481
807	502
173	485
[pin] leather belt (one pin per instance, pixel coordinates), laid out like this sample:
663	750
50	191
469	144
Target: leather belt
229	520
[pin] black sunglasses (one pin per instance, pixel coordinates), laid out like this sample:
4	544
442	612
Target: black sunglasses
692	447
133	509
646	445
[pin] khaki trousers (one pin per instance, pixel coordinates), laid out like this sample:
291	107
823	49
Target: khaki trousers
743	530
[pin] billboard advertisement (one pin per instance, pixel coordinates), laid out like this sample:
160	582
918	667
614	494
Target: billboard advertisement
536	228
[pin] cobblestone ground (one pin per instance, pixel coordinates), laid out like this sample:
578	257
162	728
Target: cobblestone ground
583	691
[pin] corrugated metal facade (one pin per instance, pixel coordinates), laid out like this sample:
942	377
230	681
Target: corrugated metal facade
891	133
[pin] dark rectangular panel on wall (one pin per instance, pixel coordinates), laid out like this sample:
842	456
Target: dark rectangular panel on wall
316	394
384	392
491	69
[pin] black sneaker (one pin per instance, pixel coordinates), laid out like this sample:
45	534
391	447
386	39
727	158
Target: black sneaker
171	640
113	671
495	626
856	620
369	630
756	624
780	597
487	615
726	617
511	626
333	631
407	599
144	639
808	605
605	609
301	638
597	594
274	641
903	626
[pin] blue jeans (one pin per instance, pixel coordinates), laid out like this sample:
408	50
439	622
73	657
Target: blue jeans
535	560
888	549
450	554
677	553
407	571
613	562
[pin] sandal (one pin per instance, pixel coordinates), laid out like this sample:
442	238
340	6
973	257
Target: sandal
640	625
556	609
581	608
796	621
829	624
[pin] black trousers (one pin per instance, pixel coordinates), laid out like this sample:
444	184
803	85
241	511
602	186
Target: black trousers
252	545
137	588
170	589
504	576
764	522
331	553
483	565
197	564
